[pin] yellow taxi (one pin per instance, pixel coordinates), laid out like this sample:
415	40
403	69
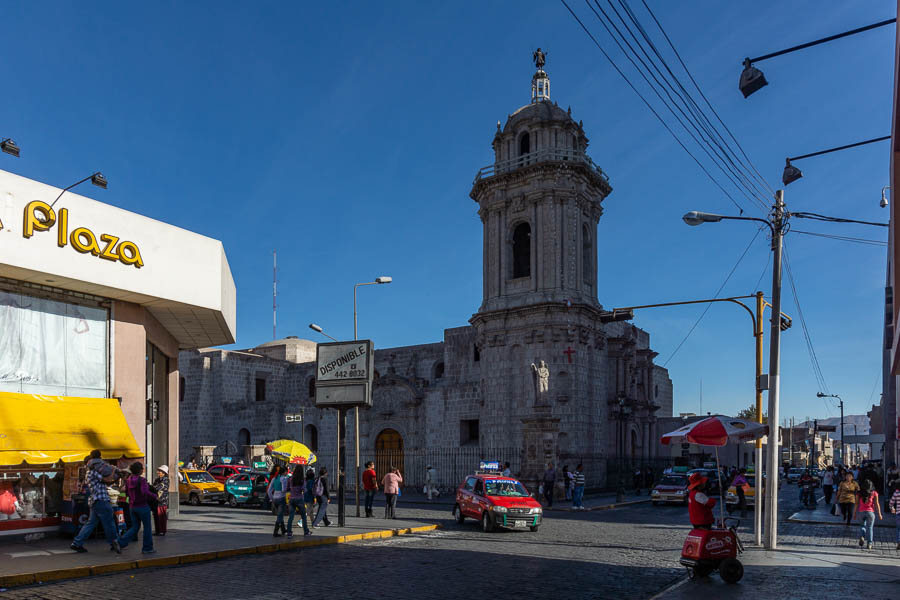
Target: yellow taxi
731	497
196	486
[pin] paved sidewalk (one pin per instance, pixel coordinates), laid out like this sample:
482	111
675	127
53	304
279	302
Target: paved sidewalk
197	534
821	515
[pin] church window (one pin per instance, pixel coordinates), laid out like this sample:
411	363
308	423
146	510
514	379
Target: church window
477	355
181	389
311	437
587	251
468	432
438	370
260	389
521	251
312	387
524	144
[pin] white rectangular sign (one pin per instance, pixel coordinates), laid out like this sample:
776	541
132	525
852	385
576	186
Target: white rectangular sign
345	362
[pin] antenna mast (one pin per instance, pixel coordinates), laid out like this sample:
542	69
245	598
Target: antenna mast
274	290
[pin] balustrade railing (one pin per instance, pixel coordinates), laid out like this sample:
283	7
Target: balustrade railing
543	155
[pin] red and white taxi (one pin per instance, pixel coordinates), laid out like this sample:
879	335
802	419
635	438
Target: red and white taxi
496	501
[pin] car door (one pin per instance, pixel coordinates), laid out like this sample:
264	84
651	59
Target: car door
216	472
466	500
479	501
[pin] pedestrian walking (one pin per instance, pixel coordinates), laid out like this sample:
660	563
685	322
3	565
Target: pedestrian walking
636	480
549	482
139	492
161	514
298	500
567	482
578	488
507	472
867	507
309	496
391	484
846	497
739	482
430	481
98	474
894	507
320	491
828	484
276	494
370	485
700	503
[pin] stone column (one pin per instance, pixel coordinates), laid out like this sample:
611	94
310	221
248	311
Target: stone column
204	454
254	452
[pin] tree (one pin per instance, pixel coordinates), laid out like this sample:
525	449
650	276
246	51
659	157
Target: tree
749	414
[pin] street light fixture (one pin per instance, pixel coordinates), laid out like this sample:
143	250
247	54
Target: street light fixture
821	395
96	178
884	200
9	146
777	225
791	173
318	329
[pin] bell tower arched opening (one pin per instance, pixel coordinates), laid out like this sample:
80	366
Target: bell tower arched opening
521	251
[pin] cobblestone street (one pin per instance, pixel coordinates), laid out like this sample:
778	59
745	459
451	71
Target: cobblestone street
628	552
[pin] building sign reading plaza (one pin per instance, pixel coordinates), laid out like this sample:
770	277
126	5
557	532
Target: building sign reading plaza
40	217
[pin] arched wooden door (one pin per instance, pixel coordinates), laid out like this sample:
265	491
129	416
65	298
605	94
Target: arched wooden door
388	452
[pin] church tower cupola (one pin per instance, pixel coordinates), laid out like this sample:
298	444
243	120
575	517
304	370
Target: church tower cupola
540	83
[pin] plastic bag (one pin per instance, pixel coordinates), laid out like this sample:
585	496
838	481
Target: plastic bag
834	509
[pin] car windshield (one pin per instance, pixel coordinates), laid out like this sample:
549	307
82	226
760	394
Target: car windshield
796	471
200	477
672	480
504	487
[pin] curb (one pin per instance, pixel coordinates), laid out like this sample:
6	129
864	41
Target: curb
20	579
602	507
810	522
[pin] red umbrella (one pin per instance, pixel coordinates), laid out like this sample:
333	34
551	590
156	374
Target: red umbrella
717	431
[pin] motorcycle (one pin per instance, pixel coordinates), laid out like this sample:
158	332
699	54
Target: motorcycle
808	494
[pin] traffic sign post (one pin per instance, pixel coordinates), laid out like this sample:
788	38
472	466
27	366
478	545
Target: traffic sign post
344	375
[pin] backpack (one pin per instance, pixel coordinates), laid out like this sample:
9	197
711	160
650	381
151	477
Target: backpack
320	489
309	495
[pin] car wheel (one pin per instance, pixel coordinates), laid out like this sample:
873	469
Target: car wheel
460	517
486	525
232	501
194	500
731	570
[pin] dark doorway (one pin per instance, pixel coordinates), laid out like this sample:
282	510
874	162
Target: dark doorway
388	452
524	144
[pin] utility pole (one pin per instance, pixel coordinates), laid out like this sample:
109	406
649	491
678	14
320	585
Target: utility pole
774	373
842	431
791	444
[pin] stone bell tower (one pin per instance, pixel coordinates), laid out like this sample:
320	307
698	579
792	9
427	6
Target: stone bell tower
540	203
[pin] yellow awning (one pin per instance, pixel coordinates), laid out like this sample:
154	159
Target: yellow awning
46	429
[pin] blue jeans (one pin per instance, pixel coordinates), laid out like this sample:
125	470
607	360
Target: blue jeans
577	495
867	526
297	505
140	515
281	507
370	497
101	512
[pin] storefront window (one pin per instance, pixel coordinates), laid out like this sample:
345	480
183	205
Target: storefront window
51	347
29	494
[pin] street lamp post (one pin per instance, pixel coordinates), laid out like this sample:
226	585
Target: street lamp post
776	225
378	280
841	456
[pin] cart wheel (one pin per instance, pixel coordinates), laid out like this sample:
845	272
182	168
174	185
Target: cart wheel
731	570
701	571
460	517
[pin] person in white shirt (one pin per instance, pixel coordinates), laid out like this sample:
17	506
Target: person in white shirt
430	480
828	484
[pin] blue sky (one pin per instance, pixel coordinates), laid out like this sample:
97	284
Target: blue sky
347	137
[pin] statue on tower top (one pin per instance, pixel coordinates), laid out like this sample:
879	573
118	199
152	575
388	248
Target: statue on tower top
539	58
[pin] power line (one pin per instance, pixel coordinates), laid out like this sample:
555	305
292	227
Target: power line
724	150
818	217
656	90
719	291
842	238
813	359
763	274
649	106
705	99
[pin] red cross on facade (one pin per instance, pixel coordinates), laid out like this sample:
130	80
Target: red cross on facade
569	352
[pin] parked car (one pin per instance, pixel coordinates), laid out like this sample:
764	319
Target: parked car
794	474
672	488
497	502
222	472
248	487
731	497
196	486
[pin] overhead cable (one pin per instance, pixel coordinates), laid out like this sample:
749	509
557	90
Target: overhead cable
842	238
813	359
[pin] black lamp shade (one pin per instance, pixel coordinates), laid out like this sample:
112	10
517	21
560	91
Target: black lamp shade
752	80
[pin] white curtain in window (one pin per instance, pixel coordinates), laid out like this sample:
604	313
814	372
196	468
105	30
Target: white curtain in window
50	347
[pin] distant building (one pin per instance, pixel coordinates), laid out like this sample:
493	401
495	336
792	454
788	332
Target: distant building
535	377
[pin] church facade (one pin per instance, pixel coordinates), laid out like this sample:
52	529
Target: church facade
538	376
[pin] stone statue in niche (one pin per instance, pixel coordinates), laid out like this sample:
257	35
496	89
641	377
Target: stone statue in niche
541	378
